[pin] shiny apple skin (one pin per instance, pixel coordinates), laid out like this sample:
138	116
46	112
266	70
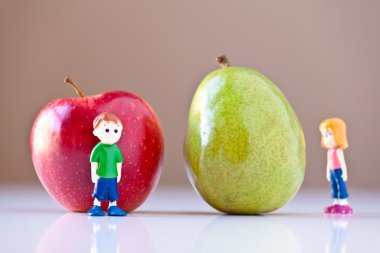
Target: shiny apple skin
61	141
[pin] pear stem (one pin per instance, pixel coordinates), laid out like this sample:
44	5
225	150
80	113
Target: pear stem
76	88
222	61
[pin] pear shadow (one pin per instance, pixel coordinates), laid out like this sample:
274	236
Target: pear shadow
296	214
177	213
246	233
216	213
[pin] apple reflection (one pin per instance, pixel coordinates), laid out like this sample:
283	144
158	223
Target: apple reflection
75	232
246	234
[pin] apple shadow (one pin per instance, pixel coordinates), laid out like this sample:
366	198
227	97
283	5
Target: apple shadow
32	210
78	232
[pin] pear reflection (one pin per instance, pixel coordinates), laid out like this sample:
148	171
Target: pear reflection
79	233
337	241
246	234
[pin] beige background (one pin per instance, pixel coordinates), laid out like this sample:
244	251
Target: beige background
324	55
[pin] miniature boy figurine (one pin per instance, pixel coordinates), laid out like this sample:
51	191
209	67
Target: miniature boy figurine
106	161
335	140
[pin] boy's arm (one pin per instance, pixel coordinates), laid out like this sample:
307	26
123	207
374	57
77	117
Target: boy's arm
120	160
119	165
94	176
94	159
342	164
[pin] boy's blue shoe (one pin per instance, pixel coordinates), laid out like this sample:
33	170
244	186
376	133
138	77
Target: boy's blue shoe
96	211
115	211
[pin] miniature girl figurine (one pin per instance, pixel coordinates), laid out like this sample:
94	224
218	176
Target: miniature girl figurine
335	140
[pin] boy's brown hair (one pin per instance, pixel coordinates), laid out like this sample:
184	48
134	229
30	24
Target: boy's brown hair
107	117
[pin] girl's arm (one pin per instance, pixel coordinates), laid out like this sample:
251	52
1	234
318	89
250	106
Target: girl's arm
342	163
327	169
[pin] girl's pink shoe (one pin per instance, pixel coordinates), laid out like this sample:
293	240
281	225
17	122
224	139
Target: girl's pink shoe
346	209
330	209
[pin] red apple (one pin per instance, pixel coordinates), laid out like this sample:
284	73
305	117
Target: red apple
61	141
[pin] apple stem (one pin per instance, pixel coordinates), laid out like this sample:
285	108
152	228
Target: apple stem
76	88
222	61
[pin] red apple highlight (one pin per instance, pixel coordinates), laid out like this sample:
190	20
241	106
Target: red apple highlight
61	141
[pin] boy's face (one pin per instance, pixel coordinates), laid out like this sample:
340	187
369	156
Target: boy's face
108	132
328	138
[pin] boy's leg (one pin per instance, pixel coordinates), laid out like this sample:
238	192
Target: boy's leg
99	195
100	189
96	202
113	195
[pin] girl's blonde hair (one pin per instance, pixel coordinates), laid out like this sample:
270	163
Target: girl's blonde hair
338	129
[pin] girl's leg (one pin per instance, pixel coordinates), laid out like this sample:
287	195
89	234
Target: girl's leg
342	188
334	185
334	194
344	208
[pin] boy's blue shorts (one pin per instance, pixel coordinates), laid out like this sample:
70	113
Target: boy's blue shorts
106	189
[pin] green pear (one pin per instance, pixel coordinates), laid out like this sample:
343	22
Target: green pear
244	146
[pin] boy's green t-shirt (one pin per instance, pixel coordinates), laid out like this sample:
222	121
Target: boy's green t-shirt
107	156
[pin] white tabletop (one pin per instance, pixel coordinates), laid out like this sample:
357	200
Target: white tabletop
178	220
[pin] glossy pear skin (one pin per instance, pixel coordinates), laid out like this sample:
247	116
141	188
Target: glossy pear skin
244	146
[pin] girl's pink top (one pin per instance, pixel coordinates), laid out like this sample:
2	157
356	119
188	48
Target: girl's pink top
333	158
